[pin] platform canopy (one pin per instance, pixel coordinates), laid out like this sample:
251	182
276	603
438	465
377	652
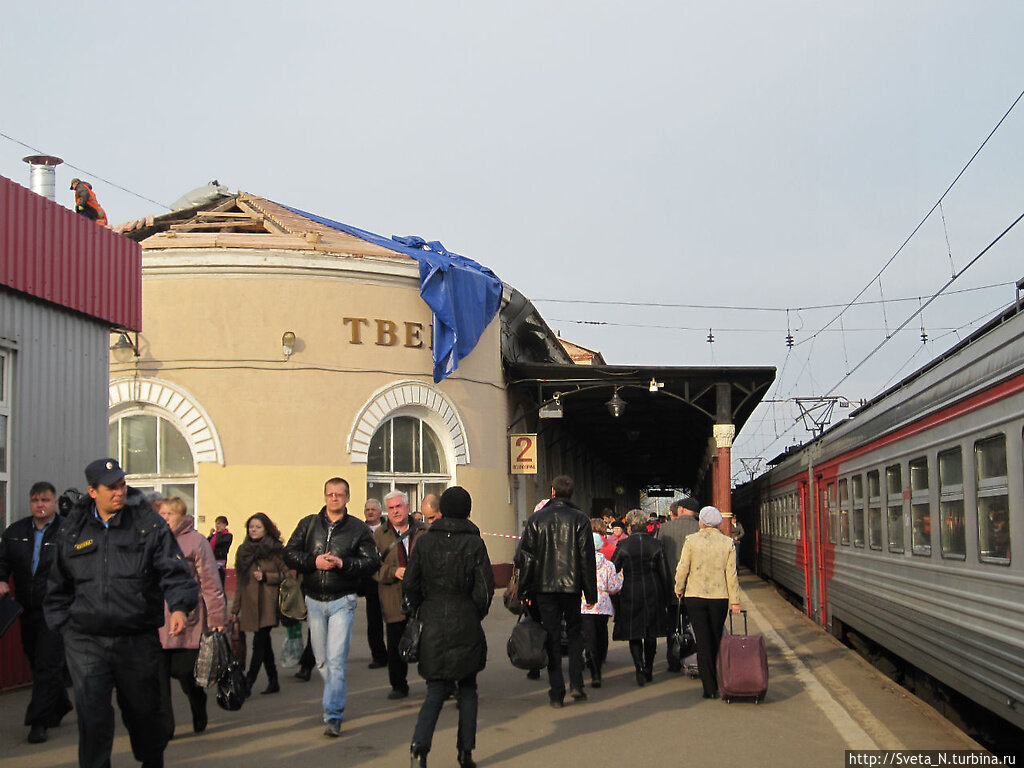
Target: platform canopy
663	434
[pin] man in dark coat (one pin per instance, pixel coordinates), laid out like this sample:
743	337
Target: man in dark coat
557	564
449	582
116	564
26	551
683	521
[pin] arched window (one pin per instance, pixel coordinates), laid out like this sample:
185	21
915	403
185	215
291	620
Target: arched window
405	454
154	455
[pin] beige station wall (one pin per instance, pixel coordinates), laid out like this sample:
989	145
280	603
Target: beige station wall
284	424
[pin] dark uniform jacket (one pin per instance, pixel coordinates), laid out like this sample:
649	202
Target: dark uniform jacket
349	539
16	547
556	552
450	581
114	581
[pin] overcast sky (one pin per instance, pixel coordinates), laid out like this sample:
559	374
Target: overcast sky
764	155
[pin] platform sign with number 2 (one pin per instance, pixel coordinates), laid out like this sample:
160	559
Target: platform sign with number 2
524	454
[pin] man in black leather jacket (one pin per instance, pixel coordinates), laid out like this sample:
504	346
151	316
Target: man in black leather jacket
115	565
334	552
26	551
556	564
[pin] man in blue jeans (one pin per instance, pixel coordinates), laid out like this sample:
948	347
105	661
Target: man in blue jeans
333	551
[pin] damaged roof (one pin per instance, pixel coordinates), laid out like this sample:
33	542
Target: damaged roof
247	221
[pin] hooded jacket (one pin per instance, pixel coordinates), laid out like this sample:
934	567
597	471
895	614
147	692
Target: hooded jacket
556	552
113	580
349	539
449	581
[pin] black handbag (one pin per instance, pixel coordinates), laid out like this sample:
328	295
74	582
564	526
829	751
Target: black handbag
526	645
682	643
409	644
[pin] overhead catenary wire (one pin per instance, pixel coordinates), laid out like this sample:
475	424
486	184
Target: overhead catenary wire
741	308
925	218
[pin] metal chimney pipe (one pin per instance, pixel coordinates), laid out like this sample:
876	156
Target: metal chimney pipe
43	174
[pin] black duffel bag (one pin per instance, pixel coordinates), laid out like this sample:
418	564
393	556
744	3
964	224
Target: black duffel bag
526	644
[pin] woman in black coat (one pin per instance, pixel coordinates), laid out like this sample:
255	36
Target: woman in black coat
646	585
449	580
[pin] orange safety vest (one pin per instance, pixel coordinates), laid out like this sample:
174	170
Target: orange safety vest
92	202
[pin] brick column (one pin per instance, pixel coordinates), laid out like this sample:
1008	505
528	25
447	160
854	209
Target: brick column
723	435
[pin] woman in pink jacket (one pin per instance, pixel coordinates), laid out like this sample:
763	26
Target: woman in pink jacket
179	656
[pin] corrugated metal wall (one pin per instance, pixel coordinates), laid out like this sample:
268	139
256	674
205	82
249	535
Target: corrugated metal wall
59	388
51	252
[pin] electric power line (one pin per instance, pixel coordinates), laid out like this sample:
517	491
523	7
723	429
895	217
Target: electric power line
90	173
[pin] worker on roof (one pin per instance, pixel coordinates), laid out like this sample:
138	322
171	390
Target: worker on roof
86	202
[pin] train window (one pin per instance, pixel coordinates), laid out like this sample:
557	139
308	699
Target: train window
894	506
920	508
951	504
993	500
844	512
833	513
857	487
874	511
795	502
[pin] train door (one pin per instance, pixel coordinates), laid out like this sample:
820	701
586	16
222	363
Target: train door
806	546
824	518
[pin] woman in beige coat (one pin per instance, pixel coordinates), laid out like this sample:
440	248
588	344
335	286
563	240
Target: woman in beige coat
180	651
259	570
706	580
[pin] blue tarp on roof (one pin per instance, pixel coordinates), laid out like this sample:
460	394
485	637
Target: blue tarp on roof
463	295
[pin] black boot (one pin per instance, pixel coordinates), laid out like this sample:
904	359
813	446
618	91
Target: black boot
636	650
418	756
466	759
595	676
650	651
272	685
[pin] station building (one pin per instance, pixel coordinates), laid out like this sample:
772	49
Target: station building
280	349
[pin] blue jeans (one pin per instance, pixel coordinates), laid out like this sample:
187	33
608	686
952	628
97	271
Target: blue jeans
330	631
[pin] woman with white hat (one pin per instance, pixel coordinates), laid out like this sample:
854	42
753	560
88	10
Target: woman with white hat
706	580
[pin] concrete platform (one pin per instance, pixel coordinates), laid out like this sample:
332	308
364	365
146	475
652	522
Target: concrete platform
823	700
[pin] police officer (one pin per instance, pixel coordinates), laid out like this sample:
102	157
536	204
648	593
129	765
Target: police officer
26	550
115	565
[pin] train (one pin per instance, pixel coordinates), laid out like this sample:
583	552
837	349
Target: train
900	521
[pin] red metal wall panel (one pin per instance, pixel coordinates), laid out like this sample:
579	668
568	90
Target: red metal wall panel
52	253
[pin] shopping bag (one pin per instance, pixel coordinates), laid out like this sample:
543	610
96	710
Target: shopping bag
291	651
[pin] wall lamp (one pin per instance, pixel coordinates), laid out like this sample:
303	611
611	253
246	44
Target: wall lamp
123	349
288	344
616	406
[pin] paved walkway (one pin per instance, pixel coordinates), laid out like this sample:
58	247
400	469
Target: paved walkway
822	701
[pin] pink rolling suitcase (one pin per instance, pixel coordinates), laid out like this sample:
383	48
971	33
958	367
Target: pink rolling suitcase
742	665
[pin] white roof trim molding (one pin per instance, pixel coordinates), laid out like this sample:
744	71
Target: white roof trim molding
400	395
182	408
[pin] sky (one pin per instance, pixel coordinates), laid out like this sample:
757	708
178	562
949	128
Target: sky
645	172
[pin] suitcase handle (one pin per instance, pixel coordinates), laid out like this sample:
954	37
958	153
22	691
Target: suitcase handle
745	632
